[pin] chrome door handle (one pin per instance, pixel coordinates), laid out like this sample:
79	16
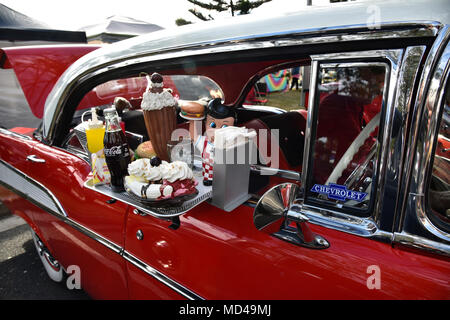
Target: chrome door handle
34	158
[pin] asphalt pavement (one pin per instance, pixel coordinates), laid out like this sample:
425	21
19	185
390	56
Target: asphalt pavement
22	275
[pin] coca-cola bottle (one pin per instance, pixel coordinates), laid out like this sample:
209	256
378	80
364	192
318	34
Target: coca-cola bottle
117	153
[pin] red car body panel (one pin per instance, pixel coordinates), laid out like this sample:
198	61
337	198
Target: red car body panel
38	69
67	184
210	239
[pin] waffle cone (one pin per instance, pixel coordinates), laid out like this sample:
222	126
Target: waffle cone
160	124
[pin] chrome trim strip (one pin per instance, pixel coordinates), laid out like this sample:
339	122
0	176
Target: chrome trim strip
366	227
413	241
396	163
424	130
126	57
309	123
25	192
94	235
433	110
14	134
389	98
161	277
416	115
363	227
431	113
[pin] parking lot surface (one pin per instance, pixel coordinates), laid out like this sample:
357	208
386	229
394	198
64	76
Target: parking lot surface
22	275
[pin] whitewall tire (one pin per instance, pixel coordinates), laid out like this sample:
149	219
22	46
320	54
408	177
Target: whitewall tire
51	265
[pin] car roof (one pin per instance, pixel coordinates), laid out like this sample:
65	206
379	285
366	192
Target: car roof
308	20
311	20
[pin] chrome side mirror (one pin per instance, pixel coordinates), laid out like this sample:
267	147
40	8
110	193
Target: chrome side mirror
273	206
273	215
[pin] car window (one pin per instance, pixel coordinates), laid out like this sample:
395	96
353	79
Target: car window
278	100
285	88
345	139
102	96
439	188
185	87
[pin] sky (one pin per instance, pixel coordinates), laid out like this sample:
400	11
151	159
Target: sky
73	15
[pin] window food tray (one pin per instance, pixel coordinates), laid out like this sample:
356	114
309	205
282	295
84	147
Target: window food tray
204	193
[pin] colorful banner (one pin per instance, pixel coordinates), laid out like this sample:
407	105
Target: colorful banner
277	81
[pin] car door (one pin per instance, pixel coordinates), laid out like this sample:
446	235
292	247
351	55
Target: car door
87	232
14	150
346	205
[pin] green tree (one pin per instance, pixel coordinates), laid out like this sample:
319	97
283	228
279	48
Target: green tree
182	22
236	7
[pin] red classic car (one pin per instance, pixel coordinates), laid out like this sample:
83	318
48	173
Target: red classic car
348	199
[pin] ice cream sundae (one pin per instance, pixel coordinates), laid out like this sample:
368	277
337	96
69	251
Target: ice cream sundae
156	179
158	106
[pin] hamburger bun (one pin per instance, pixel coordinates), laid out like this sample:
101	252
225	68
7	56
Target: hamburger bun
192	110
145	150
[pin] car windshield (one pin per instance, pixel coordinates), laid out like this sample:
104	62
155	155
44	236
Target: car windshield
184	87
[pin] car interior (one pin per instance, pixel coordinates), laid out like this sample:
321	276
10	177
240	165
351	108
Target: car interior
289	125
355	92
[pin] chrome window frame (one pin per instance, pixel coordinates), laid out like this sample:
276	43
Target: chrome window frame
117	59
322	61
371	227
415	229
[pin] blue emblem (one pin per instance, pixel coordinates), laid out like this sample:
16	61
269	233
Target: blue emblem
338	192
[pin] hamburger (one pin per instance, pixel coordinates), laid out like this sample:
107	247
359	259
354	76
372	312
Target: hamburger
145	150
192	110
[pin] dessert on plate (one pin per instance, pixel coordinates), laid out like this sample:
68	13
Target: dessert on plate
155	179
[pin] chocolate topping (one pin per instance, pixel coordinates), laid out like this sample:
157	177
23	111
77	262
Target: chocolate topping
156	78
156	83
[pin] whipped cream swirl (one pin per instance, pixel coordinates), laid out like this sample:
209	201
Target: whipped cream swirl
153	174
177	170
139	167
144	171
157	100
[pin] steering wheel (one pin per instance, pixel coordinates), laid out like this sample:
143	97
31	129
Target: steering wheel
352	151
